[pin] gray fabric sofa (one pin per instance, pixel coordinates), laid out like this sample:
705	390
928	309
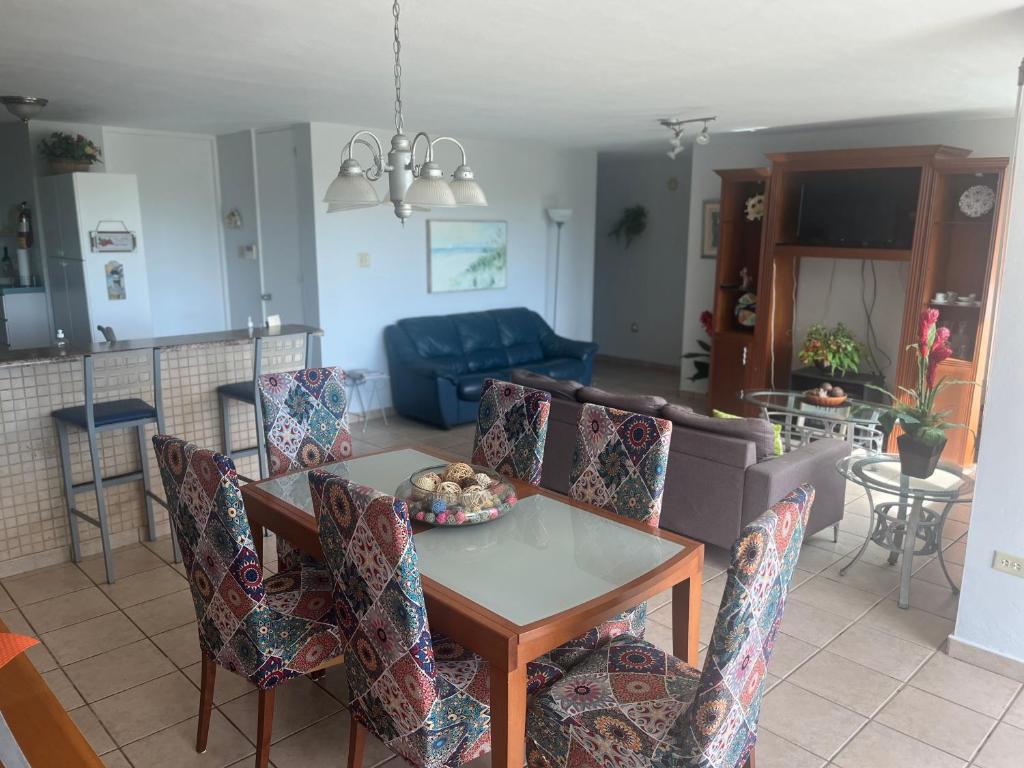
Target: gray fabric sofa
715	485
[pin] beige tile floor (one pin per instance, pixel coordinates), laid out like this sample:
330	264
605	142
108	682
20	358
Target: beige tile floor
855	681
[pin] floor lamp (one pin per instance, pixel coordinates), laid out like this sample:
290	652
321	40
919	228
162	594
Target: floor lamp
558	217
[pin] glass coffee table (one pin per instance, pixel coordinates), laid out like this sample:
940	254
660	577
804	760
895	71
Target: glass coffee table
906	526
855	421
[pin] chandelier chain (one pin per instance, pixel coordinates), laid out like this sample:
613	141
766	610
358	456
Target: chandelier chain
399	120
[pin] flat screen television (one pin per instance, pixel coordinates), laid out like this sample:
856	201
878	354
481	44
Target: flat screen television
872	208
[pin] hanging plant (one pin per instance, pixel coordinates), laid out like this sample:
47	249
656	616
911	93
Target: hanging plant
632	224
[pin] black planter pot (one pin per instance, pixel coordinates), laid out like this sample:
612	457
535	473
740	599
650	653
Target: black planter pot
918	459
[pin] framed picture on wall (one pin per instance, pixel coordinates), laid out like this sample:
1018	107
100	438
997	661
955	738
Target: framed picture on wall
466	255
711	228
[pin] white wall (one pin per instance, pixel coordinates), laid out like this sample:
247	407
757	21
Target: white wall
644	283
520	181
984	137
991	614
238	191
179	194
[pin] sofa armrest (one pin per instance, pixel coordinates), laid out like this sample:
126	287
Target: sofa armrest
559	346
431	369
768	482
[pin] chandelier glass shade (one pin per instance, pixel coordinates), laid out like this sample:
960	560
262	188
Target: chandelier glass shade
411	187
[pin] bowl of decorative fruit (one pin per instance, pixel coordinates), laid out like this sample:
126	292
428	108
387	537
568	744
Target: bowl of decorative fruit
827	395
457	494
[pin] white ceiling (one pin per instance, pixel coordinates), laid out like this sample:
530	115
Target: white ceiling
591	72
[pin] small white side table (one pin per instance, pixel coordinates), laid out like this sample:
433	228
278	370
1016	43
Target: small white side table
372	381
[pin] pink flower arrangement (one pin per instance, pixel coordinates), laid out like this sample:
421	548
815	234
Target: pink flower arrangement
918	417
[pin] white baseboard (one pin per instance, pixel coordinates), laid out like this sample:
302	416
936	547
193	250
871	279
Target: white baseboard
1007	666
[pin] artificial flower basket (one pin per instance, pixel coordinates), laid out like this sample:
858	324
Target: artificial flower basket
67	153
924	427
834	351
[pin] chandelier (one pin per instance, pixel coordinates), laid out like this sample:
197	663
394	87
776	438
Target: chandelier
678	126
411	187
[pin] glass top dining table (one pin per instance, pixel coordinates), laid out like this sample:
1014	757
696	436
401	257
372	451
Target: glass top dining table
543	557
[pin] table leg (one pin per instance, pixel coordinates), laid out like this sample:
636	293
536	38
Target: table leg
257	539
898	539
686	620
909	542
508	717
942	560
867	538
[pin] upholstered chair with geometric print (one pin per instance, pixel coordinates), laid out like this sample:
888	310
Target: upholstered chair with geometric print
511	429
266	630
304	419
422	694
618	464
631	704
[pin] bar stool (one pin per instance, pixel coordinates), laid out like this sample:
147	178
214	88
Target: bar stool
93	418
247	392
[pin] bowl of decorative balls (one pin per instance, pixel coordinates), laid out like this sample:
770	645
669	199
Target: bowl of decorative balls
827	395
457	494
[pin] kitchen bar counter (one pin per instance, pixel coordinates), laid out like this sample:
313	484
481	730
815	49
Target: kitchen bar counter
36	382
45	354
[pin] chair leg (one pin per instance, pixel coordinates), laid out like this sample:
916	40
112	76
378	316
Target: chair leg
69	491
835	533
263	728
208	676
225	424
356	743
140	432
101	504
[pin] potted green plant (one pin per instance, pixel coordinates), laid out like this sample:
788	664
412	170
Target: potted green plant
632	224
834	350
69	153
924	427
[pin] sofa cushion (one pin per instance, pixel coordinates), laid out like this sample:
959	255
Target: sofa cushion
757	430
650	405
559	368
433	336
777	447
560	389
481	342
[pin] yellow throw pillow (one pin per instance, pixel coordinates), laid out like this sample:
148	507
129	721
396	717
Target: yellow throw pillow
776	428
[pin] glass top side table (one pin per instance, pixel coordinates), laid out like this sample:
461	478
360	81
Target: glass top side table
907	526
855	420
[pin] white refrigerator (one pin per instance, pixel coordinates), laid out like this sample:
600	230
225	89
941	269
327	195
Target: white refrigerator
90	283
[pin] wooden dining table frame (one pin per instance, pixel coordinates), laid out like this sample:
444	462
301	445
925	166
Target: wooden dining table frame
508	646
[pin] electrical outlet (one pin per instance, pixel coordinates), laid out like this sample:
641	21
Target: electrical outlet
364	259
1011	564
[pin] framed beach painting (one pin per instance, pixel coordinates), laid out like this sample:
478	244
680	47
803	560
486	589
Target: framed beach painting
466	255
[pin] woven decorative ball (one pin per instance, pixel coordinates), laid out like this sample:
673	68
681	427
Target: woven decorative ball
456	473
428	482
483	479
450	491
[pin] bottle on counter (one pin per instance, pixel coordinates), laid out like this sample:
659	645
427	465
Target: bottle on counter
25	238
62	342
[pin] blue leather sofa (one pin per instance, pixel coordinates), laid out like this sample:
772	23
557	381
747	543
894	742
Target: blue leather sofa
438	364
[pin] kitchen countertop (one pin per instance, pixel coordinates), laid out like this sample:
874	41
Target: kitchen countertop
46	354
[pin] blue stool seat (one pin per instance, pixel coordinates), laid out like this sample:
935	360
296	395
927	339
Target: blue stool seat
111	412
240	390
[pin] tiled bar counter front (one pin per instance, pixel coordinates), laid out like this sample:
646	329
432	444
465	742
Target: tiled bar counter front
33	518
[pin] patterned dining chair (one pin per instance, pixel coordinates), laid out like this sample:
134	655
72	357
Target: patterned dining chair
422	694
266	630
511	429
618	464
304	422
631	704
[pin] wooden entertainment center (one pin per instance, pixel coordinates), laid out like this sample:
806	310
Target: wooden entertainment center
946	250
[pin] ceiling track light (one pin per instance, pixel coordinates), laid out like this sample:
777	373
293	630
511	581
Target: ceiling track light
411	187
678	127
